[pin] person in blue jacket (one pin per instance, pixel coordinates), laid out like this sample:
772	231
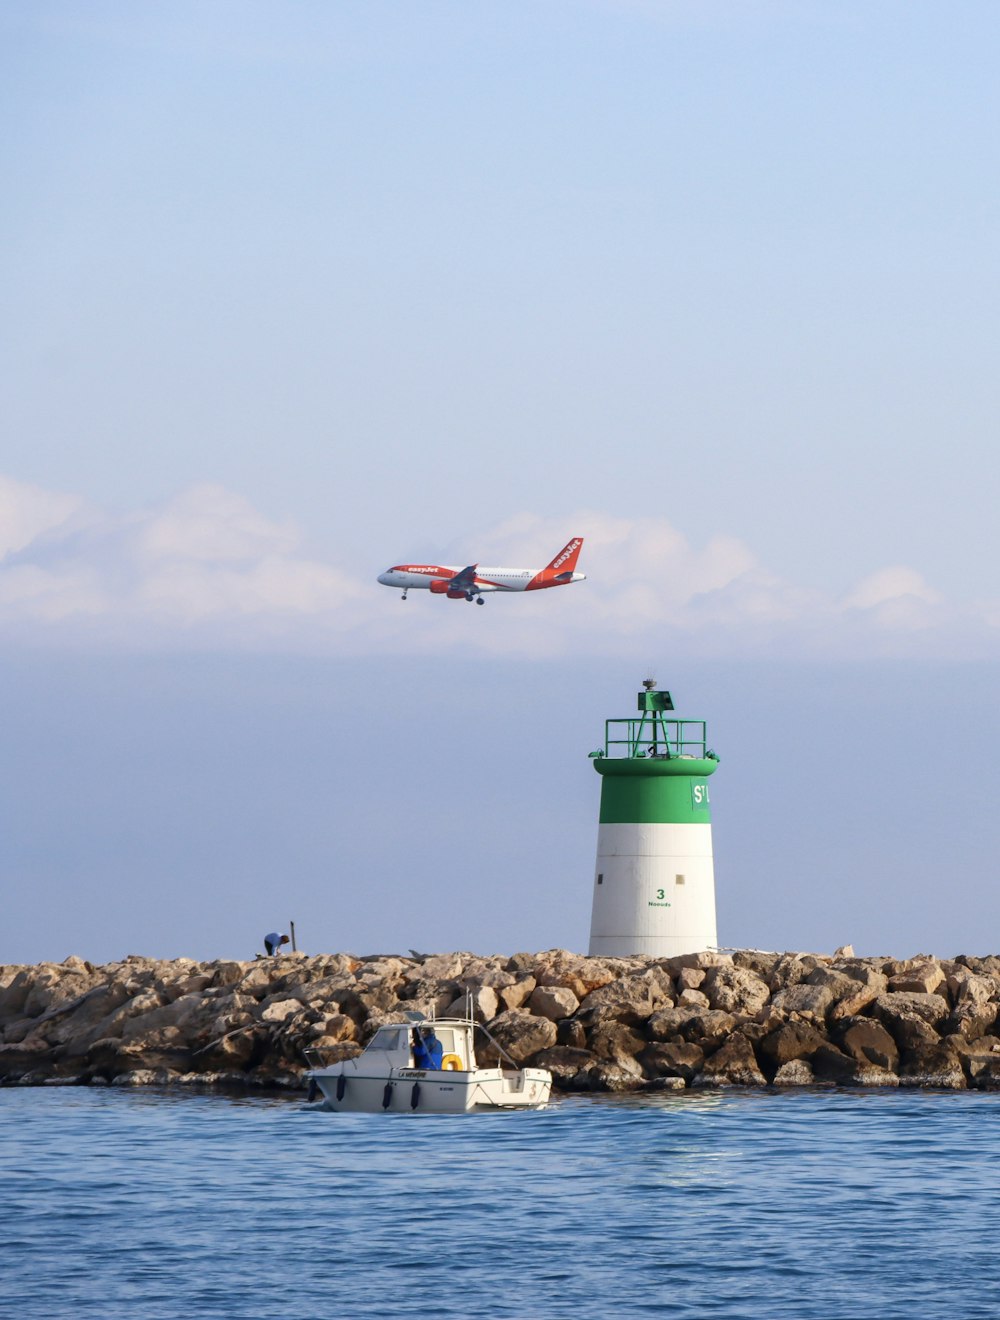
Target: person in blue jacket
427	1049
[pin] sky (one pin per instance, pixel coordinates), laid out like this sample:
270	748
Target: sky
293	292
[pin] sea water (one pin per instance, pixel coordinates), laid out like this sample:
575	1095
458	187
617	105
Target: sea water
826	1204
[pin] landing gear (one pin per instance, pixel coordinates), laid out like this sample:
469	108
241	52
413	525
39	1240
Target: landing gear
405	590
480	601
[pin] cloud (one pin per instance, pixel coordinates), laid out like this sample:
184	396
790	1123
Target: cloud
891	584
29	512
206	569
204	566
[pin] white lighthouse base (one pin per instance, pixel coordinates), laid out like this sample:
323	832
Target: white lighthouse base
654	891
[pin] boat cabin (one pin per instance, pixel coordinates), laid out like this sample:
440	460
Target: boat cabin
393	1044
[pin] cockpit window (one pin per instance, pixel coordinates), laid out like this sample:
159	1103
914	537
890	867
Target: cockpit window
387	1039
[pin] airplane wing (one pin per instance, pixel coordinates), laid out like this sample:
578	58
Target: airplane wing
466	580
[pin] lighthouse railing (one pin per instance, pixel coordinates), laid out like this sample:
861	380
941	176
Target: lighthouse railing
652	735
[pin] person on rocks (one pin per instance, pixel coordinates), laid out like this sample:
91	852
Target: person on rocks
273	942
427	1049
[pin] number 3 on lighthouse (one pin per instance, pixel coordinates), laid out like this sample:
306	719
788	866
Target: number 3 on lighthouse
661	894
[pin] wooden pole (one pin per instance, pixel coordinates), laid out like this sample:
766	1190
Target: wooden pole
291	927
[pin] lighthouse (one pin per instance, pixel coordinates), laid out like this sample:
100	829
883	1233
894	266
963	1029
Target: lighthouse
654	883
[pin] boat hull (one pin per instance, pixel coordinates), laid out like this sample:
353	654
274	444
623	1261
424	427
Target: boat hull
348	1089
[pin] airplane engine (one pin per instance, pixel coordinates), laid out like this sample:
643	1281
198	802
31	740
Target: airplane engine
439	586
456	593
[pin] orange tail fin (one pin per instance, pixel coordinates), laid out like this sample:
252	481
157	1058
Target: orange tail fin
565	560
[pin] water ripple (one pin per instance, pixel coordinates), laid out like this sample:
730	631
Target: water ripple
817	1206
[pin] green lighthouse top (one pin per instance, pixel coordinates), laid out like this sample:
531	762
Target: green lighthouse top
651	736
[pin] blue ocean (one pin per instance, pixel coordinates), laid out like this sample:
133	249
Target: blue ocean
826	1204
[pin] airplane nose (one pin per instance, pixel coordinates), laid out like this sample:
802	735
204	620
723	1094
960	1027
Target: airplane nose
384	579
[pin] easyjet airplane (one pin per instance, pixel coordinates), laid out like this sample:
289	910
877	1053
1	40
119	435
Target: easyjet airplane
470	583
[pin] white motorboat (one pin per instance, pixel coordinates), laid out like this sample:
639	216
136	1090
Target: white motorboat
385	1077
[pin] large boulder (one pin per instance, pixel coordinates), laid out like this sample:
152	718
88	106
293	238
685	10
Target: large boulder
484	971
280	1010
29	1054
185	1013
855	1001
984	1072
481	1000
922	978
379	996
517	994
553	1001
870	1044
338	1028
225	972
186	985
852	991
562	1062
162	1047
144	1077
869	1075
521	1034
90	1017
137	1005
572	1033
609	1075
666	1059
932	1065
576	973
690	1024
498	978
703	961
966	988
809	1002
615	1040
14	993
732	1064
670	1023
57	987
831	1064
384	967
792	1040
442	967
631	998
910	1031
970	1020
897	1005
796	1072
421	990
790	969
260	978
758	961
735	990
690	978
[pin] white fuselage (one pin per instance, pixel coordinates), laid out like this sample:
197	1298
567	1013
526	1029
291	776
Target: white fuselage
472	581
414	577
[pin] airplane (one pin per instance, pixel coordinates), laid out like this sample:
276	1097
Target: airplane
470	583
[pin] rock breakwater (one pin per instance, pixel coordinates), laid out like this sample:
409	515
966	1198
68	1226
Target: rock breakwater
745	1018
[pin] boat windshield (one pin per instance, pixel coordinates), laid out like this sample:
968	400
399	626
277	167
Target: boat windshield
390	1038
